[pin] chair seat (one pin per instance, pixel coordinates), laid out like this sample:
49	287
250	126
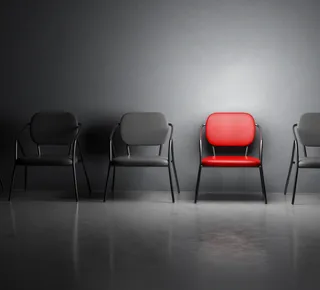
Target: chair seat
231	161
147	161
45	160
309	162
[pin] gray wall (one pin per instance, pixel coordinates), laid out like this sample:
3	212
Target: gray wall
100	59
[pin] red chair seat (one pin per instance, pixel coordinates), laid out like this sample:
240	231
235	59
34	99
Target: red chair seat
231	161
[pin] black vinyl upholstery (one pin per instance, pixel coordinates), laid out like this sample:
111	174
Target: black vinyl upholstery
309	162
53	128
46	160
309	129
147	161
144	128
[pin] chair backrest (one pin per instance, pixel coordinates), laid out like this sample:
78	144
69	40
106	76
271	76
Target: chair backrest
53	128
230	129
309	129
144	129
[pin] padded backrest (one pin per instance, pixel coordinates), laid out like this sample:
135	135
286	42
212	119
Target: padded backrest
309	129
230	129
144	128
53	128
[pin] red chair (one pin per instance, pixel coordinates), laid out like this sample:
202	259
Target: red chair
231	130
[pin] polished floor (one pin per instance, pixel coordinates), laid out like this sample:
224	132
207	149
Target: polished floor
145	242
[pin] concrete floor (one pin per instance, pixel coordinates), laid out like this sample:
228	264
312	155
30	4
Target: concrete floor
145	242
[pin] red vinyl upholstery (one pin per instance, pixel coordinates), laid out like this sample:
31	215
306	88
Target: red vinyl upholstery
230	129
231	161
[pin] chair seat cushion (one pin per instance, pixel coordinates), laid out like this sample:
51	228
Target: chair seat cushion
148	161
45	160
310	162
231	161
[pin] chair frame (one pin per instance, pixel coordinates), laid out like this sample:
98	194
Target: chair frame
171	159
295	147
246	153
73	146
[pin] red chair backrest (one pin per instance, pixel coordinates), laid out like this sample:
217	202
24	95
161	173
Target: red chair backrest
230	129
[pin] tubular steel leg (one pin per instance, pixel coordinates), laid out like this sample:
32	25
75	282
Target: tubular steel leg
1	184
171	186
106	186
176	175
295	184
87	177
113	180
290	169
25	178
85	170
175	170
12	182
288	178
75	182
197	185
263	185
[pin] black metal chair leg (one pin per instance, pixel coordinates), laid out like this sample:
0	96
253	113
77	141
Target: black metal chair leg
25	178
288	178
263	185
75	182
295	184
106	186
1	184
175	169
176	175
290	169
12	182
87	177
197	185
85	170
113	181
171	186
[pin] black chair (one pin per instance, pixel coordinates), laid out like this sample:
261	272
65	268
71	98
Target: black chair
306	134
143	129
54	129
